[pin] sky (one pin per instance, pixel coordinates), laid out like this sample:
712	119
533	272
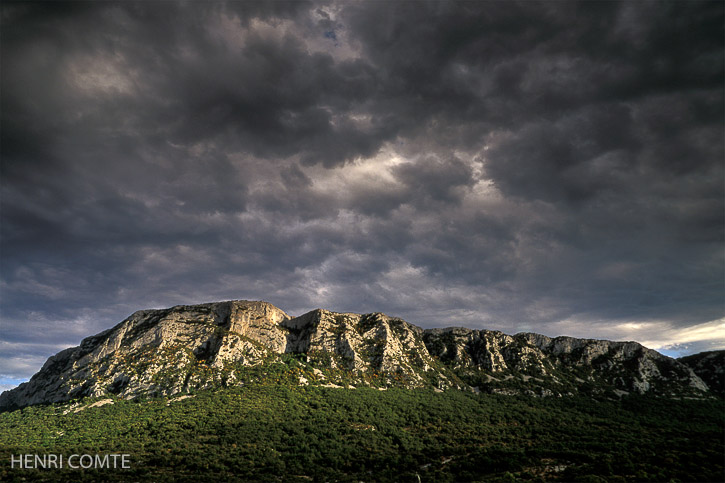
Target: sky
551	167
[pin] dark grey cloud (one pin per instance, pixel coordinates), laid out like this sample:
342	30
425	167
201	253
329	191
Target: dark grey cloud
435	179
555	167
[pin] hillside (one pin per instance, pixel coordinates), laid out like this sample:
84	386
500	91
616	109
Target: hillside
225	344
267	431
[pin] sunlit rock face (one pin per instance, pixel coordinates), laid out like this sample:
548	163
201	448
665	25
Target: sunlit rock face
560	365
185	348
367	343
154	352
170	351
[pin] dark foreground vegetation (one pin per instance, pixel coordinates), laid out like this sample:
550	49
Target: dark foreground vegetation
286	433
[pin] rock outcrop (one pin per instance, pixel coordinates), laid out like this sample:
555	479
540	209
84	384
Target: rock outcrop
710	367
185	348
537	364
156	352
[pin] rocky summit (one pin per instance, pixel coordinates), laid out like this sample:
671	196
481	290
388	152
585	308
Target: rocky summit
187	348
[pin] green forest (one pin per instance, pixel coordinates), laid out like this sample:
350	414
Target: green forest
268	431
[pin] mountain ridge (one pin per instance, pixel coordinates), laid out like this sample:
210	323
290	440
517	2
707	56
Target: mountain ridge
188	347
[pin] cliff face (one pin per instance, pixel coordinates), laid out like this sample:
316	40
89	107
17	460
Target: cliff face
170	351
361	343
153	351
536	364
710	367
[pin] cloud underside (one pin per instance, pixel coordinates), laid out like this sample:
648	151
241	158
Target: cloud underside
549	167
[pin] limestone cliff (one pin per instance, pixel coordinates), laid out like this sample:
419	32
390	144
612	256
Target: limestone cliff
184	348
536	364
710	367
153	351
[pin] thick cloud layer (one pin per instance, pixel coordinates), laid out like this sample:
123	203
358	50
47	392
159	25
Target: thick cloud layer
554	167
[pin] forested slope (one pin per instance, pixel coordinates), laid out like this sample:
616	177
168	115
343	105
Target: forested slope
275	432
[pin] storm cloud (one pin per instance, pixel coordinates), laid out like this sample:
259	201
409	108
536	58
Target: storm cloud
555	167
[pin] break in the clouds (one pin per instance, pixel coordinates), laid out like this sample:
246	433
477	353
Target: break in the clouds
553	167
